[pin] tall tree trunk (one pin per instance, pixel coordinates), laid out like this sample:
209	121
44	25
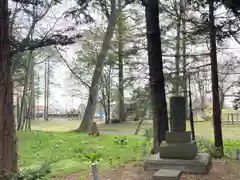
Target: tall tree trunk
31	99
121	107
108	106
18	107
184	60
108	93
202	93
26	110
103	100
91	104
33	106
222	99
8	149
157	82
38	96
215	90
46	89
25	88
178	45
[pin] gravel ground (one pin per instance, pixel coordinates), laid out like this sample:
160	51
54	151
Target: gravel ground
221	170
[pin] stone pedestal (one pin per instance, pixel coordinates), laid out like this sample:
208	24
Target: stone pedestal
179	151
201	164
178	137
179	144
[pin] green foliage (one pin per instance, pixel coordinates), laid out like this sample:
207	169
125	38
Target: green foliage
121	140
204	145
70	152
93	157
230	147
31	174
141	102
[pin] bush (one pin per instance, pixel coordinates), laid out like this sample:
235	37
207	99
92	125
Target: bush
230	148
121	140
205	145
30	174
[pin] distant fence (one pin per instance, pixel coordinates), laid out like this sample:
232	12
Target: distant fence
232	118
59	115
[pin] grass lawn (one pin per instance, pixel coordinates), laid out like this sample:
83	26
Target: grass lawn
69	152
201	128
66	152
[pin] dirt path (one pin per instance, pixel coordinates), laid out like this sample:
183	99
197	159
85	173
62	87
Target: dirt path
220	171
197	134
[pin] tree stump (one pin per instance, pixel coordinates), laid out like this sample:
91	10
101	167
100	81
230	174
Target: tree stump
93	130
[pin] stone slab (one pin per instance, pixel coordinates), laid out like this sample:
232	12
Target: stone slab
167	174
177	113
200	165
178	150
178	137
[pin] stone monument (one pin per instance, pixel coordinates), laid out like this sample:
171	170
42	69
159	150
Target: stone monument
179	151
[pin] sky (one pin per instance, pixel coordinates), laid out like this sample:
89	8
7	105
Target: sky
61	96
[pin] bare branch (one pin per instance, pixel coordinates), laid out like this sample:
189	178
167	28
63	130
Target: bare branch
71	70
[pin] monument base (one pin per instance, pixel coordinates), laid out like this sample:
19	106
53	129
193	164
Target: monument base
200	165
178	150
178	137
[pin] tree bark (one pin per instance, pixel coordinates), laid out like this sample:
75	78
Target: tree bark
91	104
222	99
184	62
46	89
25	88
38	89
215	90
31	99
8	151
108	95
18	107
121	110
157	82
178	45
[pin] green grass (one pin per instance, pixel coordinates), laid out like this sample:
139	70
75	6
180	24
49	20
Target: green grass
65	151
55	125
202	128
206	129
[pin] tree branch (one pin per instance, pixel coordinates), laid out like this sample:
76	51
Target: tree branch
39	43
72	71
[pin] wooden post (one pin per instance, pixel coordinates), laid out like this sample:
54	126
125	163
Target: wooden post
144	150
232	118
95	171
238	154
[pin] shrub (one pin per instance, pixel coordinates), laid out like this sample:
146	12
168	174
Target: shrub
230	148
30	174
121	141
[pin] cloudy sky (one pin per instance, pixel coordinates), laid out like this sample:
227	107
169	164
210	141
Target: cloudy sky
60	92
61	96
